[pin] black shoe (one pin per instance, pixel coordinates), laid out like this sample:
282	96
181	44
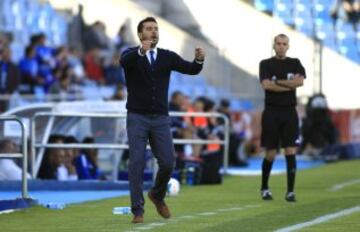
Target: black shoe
266	194
290	197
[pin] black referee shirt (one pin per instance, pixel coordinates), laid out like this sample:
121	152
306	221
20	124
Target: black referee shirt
280	69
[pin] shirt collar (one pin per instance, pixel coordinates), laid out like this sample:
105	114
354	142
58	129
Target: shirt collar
155	51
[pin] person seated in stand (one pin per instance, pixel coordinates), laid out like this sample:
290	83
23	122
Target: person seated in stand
8	168
86	163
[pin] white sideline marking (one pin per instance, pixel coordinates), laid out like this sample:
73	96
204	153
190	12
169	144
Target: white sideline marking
157	224
321	219
186	217
230	209
207	214
8	211
154	225
343	185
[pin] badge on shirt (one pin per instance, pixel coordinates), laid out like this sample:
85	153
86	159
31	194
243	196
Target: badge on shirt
290	76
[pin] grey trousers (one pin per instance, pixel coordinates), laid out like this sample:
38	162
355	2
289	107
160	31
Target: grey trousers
156	129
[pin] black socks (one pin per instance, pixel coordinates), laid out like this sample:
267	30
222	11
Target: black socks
266	169
291	171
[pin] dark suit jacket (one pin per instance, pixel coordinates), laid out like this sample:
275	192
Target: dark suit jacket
148	86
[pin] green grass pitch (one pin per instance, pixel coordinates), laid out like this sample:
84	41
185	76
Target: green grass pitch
233	206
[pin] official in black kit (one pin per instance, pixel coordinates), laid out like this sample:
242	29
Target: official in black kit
280	76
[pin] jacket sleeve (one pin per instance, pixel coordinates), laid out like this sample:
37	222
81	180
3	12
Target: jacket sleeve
185	67
129	57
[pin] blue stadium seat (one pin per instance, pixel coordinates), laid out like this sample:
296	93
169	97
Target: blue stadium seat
325	32
284	10
8	16
312	17
264	5
199	90
91	93
241	105
353	54
305	25
212	92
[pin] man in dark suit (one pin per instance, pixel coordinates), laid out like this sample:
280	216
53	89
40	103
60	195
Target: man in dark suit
147	73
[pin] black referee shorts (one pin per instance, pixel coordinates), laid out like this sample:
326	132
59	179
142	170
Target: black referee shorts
280	128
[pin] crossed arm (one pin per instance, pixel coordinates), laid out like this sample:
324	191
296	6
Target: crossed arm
283	85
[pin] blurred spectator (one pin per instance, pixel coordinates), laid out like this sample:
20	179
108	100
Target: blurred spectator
34	40
93	66
240	140
63	87
61	57
124	37
198	123
178	127
75	62
318	130
8	168
224	108
29	69
114	72
199	107
235	139
349	10
95	37
53	162
76	30
46	60
9	76
213	130
119	94
211	154
70	155
86	163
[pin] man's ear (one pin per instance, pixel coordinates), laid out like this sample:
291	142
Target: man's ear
140	35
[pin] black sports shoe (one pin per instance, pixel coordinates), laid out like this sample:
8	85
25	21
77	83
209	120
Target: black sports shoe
266	194
290	197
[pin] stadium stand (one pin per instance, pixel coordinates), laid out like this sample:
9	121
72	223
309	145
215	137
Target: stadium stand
317	20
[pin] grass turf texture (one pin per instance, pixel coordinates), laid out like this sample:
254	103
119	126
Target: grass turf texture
233	206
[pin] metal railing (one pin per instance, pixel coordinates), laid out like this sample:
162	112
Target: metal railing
23	154
36	163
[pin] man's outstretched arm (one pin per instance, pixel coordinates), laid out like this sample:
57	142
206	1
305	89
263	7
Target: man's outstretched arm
186	67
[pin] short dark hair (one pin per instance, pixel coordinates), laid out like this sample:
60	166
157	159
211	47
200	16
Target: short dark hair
280	36
175	94
71	139
141	23
29	49
225	103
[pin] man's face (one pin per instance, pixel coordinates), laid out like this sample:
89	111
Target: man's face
281	45
150	31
